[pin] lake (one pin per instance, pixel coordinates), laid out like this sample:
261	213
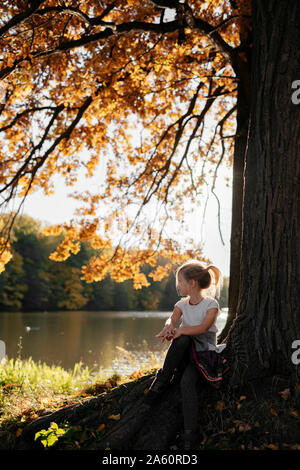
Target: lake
113	341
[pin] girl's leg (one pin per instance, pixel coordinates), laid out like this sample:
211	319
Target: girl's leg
176	357
190	406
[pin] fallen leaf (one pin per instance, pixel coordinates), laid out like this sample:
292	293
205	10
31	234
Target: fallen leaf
135	375
19	432
243	397
274	412
294	413
101	427
285	393
11	385
244	427
115	417
220	405
295	447
271	446
237	422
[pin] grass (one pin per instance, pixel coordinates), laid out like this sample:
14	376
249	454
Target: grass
29	389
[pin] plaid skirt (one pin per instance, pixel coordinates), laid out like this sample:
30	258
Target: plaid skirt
211	365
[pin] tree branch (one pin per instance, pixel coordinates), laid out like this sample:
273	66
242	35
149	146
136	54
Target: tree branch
21	17
23	113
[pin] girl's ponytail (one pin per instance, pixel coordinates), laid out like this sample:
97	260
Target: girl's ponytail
216	279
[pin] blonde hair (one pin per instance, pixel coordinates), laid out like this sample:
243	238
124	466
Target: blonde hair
209	278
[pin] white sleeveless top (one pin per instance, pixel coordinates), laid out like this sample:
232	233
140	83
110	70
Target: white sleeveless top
193	315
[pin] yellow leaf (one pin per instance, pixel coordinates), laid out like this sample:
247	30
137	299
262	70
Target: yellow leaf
115	417
101	427
274	412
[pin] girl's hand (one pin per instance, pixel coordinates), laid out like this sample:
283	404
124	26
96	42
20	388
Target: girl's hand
166	333
178	332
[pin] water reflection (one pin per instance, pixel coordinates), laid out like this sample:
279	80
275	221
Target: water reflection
91	337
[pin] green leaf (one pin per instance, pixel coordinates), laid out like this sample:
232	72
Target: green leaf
51	439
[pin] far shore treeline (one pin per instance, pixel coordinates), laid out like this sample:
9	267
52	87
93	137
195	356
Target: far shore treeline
32	282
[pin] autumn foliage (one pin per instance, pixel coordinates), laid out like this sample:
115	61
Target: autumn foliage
146	90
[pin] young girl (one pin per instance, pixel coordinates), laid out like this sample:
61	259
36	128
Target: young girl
193	352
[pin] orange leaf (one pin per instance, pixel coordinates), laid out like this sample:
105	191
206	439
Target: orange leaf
237	422
101	427
274	412
244	427
11	385
272	446
220	405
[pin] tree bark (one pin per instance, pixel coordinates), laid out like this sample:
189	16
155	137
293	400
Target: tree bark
267	320
240	144
237	200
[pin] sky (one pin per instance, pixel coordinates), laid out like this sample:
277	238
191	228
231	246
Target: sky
59	208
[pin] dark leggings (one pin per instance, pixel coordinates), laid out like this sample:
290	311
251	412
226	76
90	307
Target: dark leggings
178	357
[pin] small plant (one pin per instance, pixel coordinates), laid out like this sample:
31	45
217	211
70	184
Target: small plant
50	436
68	436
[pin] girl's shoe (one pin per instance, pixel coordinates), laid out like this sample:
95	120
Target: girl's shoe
157	388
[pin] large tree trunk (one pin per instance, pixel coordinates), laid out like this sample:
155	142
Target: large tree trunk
240	144
267	320
237	202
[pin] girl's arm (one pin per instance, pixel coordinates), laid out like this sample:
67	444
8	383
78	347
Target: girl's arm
208	321
170	324
174	318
